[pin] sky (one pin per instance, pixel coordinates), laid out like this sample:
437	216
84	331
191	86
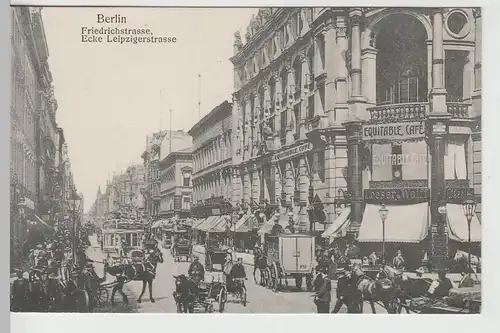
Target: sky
110	96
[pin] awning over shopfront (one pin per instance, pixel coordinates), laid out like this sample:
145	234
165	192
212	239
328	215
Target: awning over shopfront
42	222
339	227
283	221
207	223
458	227
197	222
404	224
219	224
246	224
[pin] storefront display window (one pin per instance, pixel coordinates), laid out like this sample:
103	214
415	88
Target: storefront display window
455	163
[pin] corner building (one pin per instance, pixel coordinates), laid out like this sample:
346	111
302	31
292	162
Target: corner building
340	110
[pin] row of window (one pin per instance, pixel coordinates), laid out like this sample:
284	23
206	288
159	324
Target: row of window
218	150
219	188
23	166
167	203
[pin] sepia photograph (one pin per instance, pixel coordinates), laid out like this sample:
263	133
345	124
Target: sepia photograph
273	160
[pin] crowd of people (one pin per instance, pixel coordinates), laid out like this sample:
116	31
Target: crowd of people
47	268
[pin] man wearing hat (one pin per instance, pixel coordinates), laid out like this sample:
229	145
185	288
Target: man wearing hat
345	292
323	288
196	270
277	227
19	292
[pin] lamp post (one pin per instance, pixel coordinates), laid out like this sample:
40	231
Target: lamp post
74	203
469	207
383	211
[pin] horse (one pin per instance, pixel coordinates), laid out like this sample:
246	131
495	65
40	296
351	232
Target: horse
461	263
407	288
145	272
374	290
184	294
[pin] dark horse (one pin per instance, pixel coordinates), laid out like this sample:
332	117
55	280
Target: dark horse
145	272
381	290
407	288
184	294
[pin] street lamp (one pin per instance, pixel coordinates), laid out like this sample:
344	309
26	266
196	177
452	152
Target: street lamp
383	211
74	203
469	207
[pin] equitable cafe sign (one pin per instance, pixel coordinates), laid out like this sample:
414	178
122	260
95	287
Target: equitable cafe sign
292	152
394	131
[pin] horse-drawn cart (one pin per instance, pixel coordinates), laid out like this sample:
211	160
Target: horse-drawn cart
181	245
214	255
212	290
289	255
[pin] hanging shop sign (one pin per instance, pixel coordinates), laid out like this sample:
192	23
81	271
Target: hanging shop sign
394	131
397	194
399	159
459	194
289	153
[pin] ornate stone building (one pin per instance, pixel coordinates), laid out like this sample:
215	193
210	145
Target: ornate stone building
36	165
212	162
359	107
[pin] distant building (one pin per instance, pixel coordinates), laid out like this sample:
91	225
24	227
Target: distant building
176	171
212	163
158	146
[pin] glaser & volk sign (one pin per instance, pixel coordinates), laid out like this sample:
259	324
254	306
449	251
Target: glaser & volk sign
394	131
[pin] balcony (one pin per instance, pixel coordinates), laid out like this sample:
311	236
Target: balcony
458	110
399	112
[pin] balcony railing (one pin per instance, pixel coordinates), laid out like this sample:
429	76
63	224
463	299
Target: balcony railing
458	109
398	112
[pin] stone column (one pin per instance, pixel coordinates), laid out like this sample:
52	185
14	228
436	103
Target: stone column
304	182
246	186
289	95
331	70
249	130
369	74
304	101
275	181
236	190
357	101
355	185
341	108
438	92
255	183
255	123
277	108
289	180
437	122
330	176
478	54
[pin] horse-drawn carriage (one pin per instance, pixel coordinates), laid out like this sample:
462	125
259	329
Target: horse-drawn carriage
181	245
289	256
214	255
191	298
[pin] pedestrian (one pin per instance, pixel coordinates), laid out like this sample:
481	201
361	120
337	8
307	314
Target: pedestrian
346	293
19	292
323	288
398	261
372	258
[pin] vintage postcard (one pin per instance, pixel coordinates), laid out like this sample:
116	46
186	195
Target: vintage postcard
245	160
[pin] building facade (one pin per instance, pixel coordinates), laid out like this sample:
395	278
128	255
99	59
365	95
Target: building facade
158	146
212	162
36	167
176	171
361	107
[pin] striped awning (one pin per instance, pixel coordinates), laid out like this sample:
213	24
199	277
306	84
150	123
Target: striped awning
206	224
247	223
339	227
219	225
458	225
283	221
404	224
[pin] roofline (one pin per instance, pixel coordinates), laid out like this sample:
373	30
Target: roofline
219	108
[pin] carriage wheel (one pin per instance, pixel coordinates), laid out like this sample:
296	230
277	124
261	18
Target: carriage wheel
259	274
101	297
298	281
244	296
394	305
222	298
